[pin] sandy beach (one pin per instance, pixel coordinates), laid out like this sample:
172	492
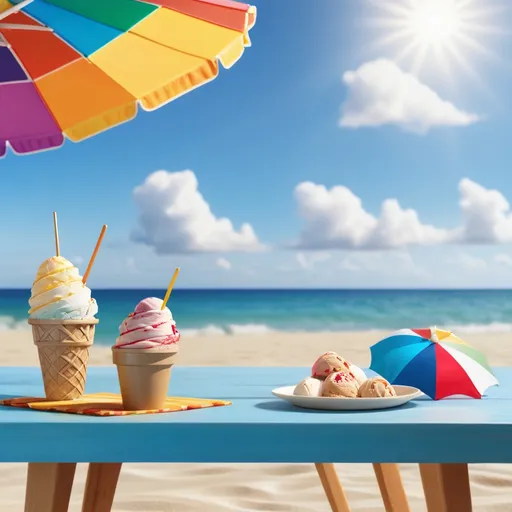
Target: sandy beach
252	487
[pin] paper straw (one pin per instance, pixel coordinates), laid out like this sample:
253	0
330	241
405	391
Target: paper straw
171	284
56	233
94	254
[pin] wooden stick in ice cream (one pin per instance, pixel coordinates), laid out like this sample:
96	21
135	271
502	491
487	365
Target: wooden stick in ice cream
94	254
171	285
56	233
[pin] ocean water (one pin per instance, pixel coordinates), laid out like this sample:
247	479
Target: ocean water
227	312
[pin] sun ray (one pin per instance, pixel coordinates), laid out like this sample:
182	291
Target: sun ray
462	61
444	64
406	51
478	48
462	5
391	38
478	28
419	59
391	7
489	11
376	21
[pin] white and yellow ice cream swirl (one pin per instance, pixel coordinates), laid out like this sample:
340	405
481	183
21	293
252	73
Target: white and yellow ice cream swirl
59	293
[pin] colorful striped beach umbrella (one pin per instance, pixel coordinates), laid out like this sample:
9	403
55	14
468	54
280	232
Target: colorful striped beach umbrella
73	68
435	361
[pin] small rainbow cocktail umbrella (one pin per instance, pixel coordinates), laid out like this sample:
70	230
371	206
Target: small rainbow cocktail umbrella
435	361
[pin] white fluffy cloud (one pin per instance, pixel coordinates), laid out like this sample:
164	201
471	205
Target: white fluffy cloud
487	218
336	219
308	261
131	265
380	93
469	262
223	263
174	217
380	261
503	259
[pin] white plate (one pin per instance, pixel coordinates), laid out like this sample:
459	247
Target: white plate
404	395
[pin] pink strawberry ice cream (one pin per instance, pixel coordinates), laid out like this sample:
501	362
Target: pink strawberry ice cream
149	327
328	363
340	385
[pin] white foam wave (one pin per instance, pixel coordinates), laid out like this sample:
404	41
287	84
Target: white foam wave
9	323
249	329
481	328
229	330
209	330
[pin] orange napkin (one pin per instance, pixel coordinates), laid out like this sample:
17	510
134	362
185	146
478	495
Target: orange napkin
108	404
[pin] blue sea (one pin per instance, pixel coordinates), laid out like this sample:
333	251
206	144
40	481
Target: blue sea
228	312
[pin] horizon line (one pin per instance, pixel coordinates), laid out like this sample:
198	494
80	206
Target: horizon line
279	289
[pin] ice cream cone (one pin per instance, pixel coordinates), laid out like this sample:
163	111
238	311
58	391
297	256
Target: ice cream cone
63	347
144	376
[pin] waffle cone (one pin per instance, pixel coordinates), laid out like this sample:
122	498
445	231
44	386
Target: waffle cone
144	376
63	347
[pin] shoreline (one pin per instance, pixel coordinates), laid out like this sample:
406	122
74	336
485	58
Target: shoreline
268	349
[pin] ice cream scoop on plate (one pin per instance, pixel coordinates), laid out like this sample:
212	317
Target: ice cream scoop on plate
310	386
328	363
377	387
340	385
357	373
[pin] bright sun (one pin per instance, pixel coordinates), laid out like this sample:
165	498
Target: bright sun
435	22
446	30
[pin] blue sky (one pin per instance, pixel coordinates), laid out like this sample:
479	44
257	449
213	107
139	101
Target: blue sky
273	122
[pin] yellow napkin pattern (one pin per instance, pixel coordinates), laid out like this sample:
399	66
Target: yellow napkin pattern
108	404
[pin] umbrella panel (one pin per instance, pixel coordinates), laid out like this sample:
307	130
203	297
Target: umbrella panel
471	352
451	377
85	35
119	14
10	70
420	372
41	52
24	113
479	376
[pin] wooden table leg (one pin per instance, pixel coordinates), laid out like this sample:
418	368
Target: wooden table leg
100	487
49	486
332	487
391	487
446	487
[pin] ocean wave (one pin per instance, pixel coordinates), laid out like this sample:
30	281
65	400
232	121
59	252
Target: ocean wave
480	328
9	323
228	330
248	329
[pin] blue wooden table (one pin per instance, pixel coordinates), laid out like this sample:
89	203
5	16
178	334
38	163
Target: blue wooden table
442	436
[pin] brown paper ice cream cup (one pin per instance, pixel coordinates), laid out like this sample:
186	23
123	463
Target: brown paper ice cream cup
144	376
63	347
